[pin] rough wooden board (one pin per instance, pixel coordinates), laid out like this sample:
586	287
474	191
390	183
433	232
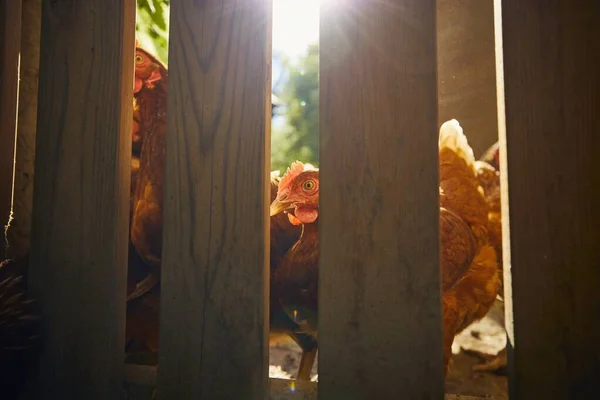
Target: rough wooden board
380	309
140	380
282	389
467	69
551	137
19	232
10	38
214	314
81	197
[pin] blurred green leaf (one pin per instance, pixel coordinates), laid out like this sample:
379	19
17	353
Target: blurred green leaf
152	27
298	139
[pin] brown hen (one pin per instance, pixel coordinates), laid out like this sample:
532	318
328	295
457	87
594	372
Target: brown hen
150	93
488	174
294	276
470	279
147	174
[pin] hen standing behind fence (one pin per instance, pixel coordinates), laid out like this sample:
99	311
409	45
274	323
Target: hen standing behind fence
470	278
488	173
147	181
148	165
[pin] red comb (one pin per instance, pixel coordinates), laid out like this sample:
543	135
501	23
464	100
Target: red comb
293	171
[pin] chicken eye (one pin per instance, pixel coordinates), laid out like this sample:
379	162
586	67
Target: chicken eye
308	185
139	59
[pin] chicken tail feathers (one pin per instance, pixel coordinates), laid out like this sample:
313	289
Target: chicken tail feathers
453	139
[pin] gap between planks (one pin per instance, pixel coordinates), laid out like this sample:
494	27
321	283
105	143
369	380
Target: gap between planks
141	379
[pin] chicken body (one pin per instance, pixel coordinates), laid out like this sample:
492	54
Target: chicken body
488	174
470	279
151	104
147	182
294	273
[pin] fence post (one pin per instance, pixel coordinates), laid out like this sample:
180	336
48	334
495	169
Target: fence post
380	331
80	211
467	69
18	234
10	44
548	56
214	317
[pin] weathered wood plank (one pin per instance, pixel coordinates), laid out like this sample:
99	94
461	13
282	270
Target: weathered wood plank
81	207
467	69
18	234
10	42
141	379
214	318
379	307
551	136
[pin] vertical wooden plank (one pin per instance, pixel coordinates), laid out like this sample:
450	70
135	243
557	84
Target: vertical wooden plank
18	234
551	137
467	69
214	318
10	38
81	207
380	333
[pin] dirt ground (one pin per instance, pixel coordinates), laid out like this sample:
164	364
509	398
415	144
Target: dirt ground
485	336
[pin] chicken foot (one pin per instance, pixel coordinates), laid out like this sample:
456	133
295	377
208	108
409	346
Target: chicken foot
491	363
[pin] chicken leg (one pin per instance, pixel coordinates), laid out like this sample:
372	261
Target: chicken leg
492	363
306	363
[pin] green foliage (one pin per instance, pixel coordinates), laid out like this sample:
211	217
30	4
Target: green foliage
152	27
298	139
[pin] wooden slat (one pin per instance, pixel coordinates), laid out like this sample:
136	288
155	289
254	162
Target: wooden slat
10	38
214	314
19	232
551	135
81	207
140	381
467	69
380	331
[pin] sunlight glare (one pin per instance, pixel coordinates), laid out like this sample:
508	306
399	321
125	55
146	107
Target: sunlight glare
295	25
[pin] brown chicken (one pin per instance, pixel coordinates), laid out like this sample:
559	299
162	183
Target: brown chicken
148	71
488	174
147	174
294	252
150	93
470	279
283	233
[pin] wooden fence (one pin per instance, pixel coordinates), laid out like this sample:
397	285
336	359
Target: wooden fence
380	328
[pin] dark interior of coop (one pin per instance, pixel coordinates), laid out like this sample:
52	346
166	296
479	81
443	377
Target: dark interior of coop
452	252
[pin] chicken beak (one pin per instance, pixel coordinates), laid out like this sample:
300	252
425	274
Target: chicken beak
279	206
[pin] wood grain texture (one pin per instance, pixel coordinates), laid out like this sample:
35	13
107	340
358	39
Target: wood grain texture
10	38
81	196
467	69
18	234
551	136
214	318
380	332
